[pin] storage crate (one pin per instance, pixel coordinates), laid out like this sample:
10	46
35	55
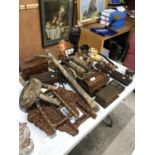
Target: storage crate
118	24
120	19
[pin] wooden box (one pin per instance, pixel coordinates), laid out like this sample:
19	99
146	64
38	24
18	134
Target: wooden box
106	95
32	66
94	82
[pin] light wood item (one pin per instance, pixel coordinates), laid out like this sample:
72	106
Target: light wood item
72	81
21	7
32	90
97	41
32	6
28	6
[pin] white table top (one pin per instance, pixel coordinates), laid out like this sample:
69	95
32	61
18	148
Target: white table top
62	143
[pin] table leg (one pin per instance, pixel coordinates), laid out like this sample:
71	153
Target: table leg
108	121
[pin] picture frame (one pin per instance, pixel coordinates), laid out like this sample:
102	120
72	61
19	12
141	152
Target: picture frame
56	20
89	10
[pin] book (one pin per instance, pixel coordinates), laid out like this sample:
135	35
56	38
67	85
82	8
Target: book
104	22
107	12
105	18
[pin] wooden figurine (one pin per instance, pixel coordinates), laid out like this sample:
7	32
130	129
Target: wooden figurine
62	47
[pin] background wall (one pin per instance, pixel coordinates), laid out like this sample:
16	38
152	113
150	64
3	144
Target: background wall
30	42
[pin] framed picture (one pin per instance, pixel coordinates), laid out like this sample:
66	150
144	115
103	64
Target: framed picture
89	10
56	20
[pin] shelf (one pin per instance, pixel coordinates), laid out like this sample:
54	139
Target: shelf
116	4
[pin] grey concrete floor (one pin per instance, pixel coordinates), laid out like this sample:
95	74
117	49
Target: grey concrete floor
118	140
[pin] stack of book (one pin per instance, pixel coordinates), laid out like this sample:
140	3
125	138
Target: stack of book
107	16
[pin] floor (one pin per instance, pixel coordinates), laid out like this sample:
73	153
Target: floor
118	140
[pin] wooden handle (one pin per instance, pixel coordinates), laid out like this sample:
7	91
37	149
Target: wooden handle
49	99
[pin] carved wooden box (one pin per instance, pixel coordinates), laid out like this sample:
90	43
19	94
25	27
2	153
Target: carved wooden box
33	66
93	82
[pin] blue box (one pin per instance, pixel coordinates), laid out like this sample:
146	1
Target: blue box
120	19
118	24
115	1
116	18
